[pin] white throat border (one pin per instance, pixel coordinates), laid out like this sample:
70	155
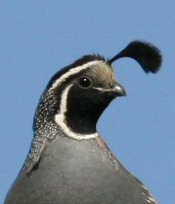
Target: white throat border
60	120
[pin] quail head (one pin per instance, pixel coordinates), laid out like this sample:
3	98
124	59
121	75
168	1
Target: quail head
68	162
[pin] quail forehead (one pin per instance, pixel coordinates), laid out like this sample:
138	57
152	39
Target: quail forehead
102	72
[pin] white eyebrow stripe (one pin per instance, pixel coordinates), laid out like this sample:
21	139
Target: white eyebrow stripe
72	72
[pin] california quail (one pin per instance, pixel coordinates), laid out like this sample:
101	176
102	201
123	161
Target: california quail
68	162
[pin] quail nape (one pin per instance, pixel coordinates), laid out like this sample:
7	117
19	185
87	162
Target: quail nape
68	162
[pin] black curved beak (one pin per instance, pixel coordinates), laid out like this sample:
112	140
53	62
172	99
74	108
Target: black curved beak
117	91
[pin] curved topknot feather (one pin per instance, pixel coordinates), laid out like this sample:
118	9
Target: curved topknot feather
146	54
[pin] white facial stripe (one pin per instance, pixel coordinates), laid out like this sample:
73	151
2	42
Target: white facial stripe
98	88
63	102
103	89
60	119
72	72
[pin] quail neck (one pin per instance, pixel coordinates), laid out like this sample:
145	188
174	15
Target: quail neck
72	103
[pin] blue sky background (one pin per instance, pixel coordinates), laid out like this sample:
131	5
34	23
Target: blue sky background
37	38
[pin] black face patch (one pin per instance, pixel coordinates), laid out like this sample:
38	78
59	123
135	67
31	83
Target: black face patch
84	107
86	100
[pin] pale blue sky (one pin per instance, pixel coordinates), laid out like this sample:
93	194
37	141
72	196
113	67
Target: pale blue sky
37	38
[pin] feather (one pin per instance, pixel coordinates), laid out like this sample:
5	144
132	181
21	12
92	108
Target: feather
146	54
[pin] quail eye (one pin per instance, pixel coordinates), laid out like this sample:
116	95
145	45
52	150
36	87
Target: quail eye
85	82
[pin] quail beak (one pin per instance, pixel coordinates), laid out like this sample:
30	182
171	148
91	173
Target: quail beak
117	91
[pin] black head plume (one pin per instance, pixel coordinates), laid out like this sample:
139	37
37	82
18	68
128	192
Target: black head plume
147	55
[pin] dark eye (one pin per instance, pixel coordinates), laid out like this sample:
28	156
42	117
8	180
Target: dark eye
85	82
